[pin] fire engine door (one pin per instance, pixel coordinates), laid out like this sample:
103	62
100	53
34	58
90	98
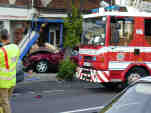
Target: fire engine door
121	37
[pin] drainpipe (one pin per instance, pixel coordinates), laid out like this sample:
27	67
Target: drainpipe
34	12
32	8
32	4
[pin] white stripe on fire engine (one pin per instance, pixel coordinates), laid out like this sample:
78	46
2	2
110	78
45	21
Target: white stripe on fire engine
93	72
79	73
113	49
76	74
107	73
116	65
148	64
102	76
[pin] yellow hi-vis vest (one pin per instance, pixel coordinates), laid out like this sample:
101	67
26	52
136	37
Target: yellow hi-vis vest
9	55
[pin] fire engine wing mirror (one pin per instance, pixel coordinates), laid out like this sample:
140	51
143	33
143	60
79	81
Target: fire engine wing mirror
116	37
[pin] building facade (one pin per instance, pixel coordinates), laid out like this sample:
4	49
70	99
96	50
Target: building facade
18	15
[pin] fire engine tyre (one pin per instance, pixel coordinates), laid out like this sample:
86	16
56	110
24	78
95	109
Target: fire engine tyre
134	74
41	66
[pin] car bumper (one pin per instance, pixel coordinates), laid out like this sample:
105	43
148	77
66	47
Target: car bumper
91	75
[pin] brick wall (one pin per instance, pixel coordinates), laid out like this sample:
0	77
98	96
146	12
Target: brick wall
57	4
86	4
21	2
17	3
4	2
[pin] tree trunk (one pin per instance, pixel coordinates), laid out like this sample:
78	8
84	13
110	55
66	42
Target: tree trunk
68	52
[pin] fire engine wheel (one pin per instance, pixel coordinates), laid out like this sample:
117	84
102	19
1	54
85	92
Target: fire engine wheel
135	74
42	66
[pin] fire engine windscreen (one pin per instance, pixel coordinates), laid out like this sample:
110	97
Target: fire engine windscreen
94	31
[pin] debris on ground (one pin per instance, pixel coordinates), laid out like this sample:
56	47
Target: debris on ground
38	96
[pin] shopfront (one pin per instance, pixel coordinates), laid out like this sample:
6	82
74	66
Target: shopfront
51	32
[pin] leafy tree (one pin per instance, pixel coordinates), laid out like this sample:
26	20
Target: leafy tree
67	69
73	30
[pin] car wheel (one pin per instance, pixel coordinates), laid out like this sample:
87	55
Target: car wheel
42	66
135	74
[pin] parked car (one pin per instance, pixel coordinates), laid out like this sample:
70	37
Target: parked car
19	72
43	60
134	99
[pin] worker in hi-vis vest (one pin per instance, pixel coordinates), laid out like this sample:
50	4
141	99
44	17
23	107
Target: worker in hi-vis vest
9	55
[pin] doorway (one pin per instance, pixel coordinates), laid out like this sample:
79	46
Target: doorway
52	37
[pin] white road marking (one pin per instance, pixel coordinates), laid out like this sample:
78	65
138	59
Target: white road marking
86	109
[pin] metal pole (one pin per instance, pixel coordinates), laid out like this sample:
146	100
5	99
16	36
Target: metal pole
32	4
61	35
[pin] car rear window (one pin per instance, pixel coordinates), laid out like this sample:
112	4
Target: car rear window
137	99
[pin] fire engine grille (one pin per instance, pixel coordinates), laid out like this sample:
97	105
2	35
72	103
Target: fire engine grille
87	58
86	71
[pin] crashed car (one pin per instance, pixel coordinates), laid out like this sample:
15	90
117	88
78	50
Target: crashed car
43	60
134	99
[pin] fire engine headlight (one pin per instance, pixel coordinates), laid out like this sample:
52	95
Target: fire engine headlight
94	58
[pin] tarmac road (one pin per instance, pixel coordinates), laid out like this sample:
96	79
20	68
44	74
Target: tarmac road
61	101
59	97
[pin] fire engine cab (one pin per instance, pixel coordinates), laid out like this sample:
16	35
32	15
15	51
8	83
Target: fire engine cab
116	47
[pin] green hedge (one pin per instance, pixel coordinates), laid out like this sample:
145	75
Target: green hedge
66	69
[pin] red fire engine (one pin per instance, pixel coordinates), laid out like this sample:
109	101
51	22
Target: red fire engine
116	48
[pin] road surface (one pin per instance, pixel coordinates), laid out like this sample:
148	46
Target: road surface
64	97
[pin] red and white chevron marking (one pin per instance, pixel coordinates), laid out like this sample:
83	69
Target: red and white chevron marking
94	76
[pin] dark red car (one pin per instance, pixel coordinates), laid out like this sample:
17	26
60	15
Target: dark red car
43	60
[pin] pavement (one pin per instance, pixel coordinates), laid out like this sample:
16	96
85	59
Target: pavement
38	77
38	83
